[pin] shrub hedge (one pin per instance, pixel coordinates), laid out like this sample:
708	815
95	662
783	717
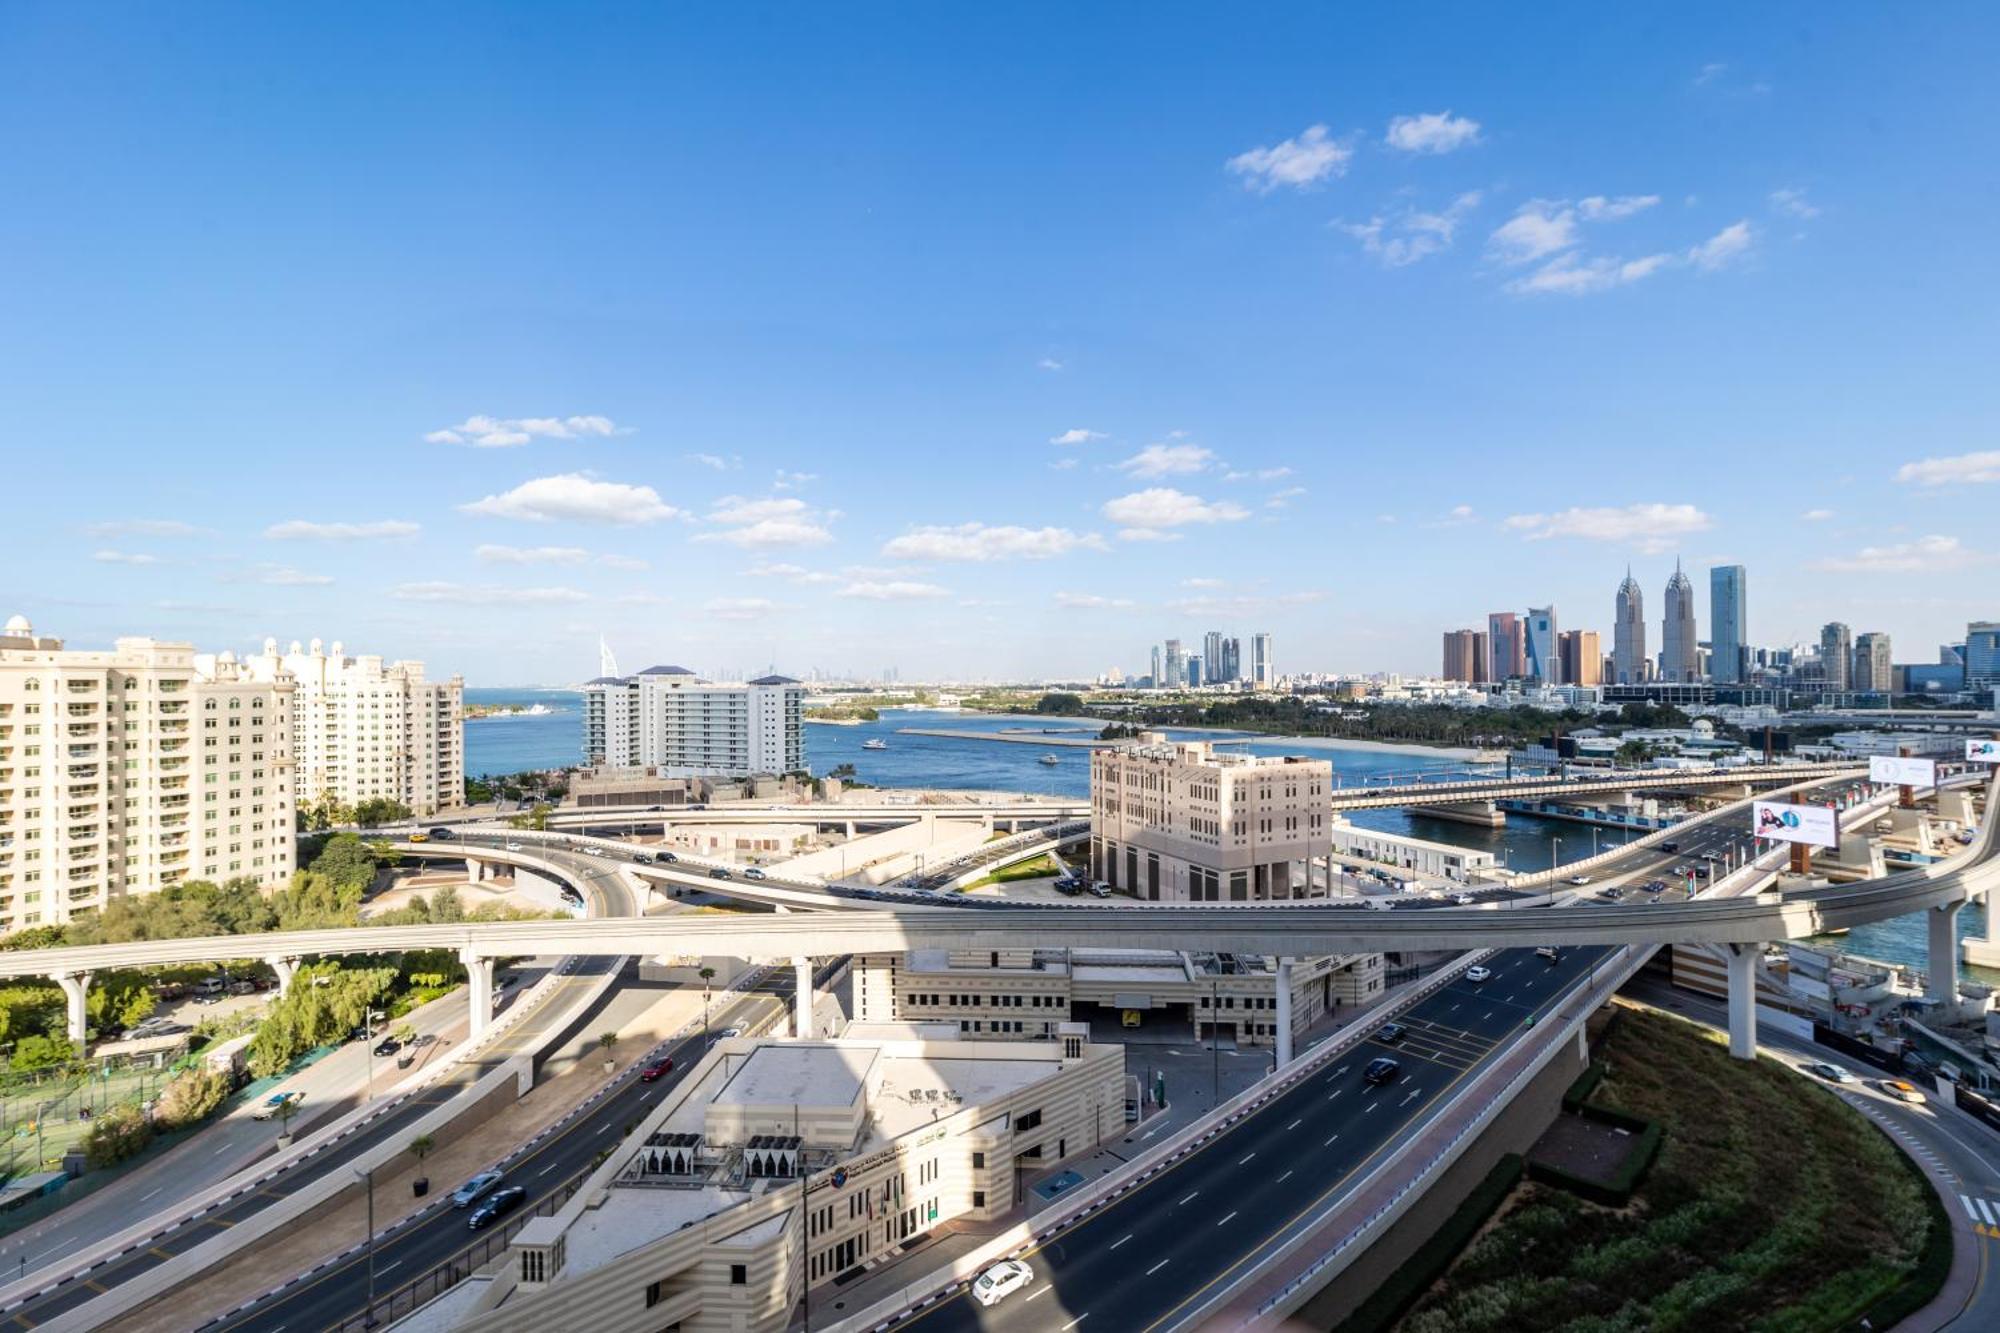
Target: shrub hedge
1401	1290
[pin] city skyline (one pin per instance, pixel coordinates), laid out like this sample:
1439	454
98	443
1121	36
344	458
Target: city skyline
786	391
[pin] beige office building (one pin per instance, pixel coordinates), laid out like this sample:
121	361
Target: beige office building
1179	821
367	729
694	1222
1029	994
128	770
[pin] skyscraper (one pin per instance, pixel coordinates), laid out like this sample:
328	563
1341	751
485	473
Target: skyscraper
1232	660
1680	658
1465	655
1176	665
1506	651
1728	612
1158	677
1628	634
1836	655
1262	673
1982	654
1582	659
1872	668
1211	656
1544	664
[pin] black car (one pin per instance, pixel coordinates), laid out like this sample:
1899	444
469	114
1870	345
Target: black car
718	873
643	858
1670	847
388	1046
444	834
667	858
497	1204
1389	1034
1381	1070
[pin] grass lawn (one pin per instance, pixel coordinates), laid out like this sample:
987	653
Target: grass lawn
1773	1206
1039	868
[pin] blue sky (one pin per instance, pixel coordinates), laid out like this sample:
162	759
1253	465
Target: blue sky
751	335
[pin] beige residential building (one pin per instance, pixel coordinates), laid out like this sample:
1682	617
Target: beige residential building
367	729
128	770
1029	994
782	1164
1179	821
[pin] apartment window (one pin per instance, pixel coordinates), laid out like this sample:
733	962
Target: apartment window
1027	1121
739	1274
979	1161
979	1198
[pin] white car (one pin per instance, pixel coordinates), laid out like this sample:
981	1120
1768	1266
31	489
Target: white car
593	851
1464	899
1478	974
1579	880
513	846
1002	1280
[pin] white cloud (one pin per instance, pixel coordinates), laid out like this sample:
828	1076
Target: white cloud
1794	204
284	576
1201	583
1283	499
1431	132
1570	275
641	598
1650	527
1147	535
1709	73
791	481
1077	435
1090	601
531	555
716	461
742	608
1162	507
631	562
1062	464
1961	469
299	529
1166	460
1723	248
1816	515
1411	236
1048	363
761	524
576	497
1926	555
508	432
1538	227
143	527
124	558
893	590
980	543
1599	208
1298	162
1261	474
796	573
1246	605
467	594
1458	517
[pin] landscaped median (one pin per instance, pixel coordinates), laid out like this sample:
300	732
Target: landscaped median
1771	1204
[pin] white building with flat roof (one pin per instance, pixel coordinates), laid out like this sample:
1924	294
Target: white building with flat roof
369	729
668	719
125	771
1180	821
779	1165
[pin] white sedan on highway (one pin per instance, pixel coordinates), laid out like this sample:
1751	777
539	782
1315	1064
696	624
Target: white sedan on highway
1000	1281
1477	974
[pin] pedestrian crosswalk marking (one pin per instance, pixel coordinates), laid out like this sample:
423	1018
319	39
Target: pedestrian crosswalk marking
1984	1214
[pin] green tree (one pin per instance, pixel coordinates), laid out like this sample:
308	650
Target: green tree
1060	704
379	810
115	1135
191	1097
446	906
347	861
40	1051
421	1147
536	817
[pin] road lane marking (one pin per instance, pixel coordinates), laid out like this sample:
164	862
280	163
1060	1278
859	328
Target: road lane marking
1227	1220
1332	1095
1282	1179
1157	1267
1242	1161
151	1192
1329	1142
1189	1199
1294	1125
1043	1292
1121	1240
1074	1322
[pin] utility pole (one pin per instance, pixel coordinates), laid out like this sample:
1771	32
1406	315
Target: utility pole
368	1317
1215	1036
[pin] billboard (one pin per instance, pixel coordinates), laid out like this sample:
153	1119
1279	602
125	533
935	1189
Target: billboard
1982	752
1897	771
1814	825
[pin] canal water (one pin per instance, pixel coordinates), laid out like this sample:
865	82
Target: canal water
554	740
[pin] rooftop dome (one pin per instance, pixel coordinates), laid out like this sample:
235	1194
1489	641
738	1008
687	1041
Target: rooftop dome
18	625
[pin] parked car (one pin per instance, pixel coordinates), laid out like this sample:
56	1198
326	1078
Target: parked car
1381	1070
275	1105
1831	1073
475	1189
501	1202
653	1073
1000	1281
1389	1033
1099	889
1476	973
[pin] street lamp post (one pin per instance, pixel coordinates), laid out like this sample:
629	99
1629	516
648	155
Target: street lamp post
1555	851
368	1176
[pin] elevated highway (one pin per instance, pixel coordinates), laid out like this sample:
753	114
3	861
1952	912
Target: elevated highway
1466	790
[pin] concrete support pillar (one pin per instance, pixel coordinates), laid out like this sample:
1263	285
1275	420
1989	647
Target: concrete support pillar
75	989
1993	916
479	973
286	968
1942	969
1742	960
1284	1024
802	998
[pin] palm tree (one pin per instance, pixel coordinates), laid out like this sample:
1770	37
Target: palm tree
607	1040
286	1110
420	1147
707	974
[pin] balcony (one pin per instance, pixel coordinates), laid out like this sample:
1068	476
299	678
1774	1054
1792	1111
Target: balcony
82	710
173	708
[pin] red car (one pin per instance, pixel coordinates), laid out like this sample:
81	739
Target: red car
652	1072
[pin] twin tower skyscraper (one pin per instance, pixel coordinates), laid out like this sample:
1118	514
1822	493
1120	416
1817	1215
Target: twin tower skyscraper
1680	640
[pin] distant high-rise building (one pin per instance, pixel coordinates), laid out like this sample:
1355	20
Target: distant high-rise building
1872	669
1836	656
1194	677
1175	666
1679	643
1158	678
1211	656
1465	655
1262	673
1728	630
1582	659
1544	663
1232	660
1506	650
1982	654
668	718
1628	634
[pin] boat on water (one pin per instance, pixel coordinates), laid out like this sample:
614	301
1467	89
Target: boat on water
1050	759
876	743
